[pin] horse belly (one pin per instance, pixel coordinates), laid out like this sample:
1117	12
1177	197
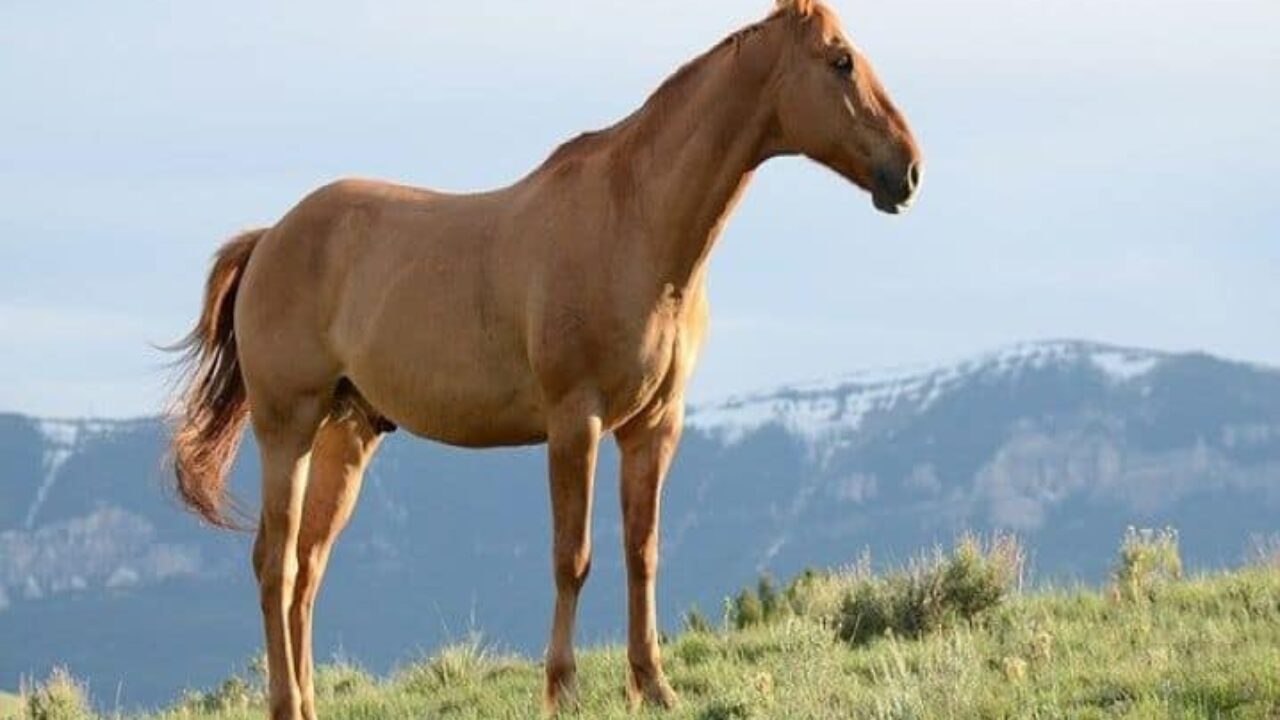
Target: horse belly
466	412
455	388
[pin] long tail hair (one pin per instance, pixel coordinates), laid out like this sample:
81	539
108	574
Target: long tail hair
210	409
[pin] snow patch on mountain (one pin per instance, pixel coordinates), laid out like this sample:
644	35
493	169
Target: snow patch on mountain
60	443
821	410
62	439
1124	365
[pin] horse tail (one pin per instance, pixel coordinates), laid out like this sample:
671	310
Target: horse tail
210	409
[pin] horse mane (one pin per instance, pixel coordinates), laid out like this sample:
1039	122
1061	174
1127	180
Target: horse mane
803	8
675	88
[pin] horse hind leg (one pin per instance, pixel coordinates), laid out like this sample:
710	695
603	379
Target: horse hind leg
285	431
343	448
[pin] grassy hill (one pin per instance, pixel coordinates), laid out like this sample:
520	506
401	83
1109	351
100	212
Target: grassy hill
951	637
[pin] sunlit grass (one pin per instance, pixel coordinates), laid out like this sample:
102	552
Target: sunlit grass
1204	647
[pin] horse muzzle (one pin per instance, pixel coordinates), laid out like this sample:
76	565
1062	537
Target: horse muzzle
895	192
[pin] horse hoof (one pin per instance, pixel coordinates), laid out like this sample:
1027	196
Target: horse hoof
654	693
561	695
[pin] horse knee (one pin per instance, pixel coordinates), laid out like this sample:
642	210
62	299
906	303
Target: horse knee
572	569
276	581
642	558
310	571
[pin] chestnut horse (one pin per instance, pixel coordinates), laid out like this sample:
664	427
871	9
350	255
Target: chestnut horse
567	306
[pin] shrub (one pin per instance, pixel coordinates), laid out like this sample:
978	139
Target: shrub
978	577
812	594
818	596
695	622
341	678
746	610
233	694
870	610
771	605
1148	561
237	692
696	648
460	664
932	593
59	697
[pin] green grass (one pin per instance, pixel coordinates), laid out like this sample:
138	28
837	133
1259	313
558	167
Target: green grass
1205	647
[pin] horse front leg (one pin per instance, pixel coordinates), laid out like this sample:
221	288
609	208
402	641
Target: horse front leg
647	445
572	443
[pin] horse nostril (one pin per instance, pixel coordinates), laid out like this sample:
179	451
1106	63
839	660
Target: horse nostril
913	176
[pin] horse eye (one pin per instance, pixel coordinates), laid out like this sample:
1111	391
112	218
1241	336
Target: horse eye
844	64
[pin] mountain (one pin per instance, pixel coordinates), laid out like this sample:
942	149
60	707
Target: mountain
1064	443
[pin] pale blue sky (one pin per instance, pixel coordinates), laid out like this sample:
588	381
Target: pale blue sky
1097	168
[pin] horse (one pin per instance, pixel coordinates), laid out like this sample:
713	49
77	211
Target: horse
565	307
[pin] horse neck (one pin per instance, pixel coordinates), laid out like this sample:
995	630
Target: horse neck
698	156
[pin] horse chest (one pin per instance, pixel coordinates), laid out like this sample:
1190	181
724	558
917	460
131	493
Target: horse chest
646	360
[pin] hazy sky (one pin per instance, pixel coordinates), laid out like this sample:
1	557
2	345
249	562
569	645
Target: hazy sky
1096	168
